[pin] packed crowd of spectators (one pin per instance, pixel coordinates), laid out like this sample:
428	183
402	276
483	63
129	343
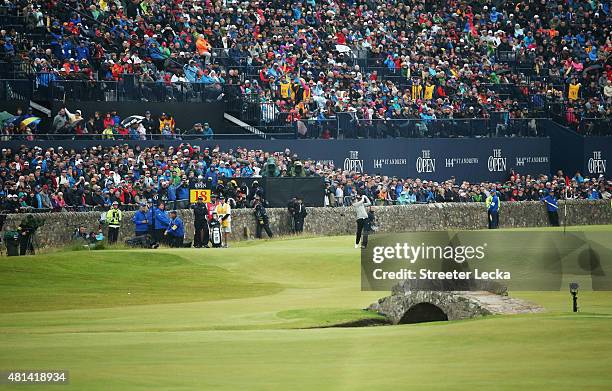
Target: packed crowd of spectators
316	58
60	179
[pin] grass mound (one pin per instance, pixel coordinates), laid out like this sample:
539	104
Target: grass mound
100	279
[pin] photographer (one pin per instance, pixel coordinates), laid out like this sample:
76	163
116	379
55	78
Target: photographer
256	190
81	234
298	213
89	239
26	230
182	190
261	217
360	203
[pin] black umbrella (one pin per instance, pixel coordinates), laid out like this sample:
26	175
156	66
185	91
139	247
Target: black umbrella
591	68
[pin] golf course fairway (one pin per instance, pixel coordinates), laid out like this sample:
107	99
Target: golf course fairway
255	316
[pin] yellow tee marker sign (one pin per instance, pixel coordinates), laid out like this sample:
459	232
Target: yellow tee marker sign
195	193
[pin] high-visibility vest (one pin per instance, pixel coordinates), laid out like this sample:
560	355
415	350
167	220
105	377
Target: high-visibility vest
573	91
113	218
429	92
285	90
416	91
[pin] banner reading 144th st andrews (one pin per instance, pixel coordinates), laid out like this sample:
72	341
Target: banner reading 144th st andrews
438	159
475	160
488	260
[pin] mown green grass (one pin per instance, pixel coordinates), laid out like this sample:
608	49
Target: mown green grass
109	279
241	319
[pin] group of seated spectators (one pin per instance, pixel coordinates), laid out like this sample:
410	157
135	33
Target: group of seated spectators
377	59
107	126
58	179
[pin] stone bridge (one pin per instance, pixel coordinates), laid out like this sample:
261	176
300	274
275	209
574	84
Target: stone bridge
416	306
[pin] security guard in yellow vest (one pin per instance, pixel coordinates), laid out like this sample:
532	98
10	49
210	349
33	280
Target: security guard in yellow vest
113	219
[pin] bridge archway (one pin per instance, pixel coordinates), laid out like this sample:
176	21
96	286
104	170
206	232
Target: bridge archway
423	312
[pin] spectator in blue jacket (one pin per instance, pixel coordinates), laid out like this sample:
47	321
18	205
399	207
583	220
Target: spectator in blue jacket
552	207
592	194
151	217
141	224
208	132
171	193
247	170
182	191
82	51
175	231
9	49
66	49
162	221
494	210
155	53
212	175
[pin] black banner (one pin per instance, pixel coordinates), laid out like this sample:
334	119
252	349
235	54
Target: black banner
475	160
596	153
280	190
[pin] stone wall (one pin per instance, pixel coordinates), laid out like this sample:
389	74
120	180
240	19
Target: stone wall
59	227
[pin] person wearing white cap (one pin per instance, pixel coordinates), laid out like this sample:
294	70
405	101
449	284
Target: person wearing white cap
113	219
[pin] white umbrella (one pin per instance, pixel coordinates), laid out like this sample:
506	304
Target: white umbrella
343	48
132	119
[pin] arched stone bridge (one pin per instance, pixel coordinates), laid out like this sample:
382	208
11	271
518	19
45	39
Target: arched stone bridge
416	306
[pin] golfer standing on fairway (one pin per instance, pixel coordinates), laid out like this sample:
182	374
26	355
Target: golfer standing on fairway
360	203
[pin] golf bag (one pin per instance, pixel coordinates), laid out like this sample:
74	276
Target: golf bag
215	233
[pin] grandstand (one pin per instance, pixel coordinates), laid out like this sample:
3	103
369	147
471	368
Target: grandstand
504	71
320	69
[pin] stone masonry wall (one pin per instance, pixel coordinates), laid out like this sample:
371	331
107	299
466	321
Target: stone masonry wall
59	227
